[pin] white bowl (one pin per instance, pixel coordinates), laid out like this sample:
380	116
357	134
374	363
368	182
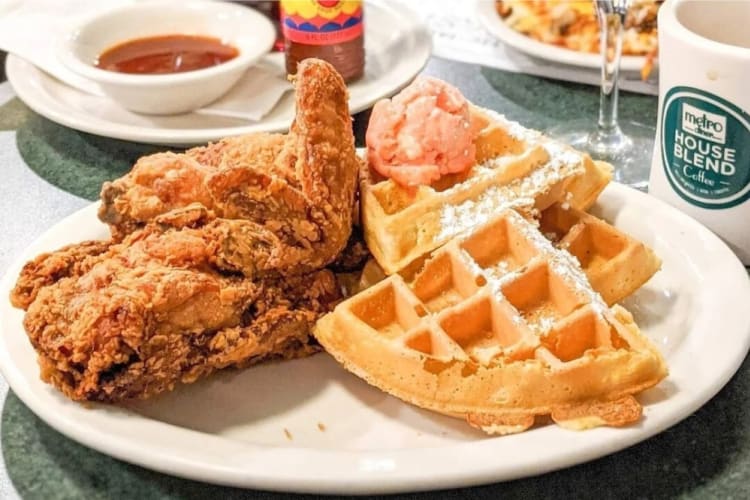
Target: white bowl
247	30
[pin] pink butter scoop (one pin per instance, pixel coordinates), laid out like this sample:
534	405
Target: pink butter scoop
421	134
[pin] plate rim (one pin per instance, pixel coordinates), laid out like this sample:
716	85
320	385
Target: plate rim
17	69
529	46
307	476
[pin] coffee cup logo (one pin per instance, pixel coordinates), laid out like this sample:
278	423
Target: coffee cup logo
705	148
701	123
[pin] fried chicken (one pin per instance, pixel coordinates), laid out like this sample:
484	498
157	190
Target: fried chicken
289	197
217	258
154	310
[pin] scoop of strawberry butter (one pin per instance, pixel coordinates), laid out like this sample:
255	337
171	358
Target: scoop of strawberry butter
421	134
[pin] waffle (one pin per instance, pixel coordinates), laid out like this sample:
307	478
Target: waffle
615	264
497	327
516	168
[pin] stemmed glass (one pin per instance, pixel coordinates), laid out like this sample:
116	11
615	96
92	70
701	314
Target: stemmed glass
627	145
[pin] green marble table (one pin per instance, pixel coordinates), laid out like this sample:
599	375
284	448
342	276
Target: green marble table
49	171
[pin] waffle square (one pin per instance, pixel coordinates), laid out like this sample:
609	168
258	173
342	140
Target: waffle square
516	168
498	327
615	263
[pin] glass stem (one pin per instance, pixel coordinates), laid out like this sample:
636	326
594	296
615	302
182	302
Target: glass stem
611	29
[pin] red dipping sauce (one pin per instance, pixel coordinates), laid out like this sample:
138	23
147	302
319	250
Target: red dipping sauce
166	54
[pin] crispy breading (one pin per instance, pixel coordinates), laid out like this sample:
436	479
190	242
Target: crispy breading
155	310
290	197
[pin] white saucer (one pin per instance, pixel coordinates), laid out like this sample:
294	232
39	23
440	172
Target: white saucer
397	44
258	428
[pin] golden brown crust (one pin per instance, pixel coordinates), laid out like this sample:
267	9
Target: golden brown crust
155	310
48	268
297	190
617	413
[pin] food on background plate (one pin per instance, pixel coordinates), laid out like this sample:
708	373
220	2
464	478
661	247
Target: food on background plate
498	327
514	167
573	24
422	134
215	260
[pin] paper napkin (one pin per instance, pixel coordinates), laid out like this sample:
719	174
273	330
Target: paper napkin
256	94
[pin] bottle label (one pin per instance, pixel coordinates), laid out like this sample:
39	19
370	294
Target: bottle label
705	148
321	22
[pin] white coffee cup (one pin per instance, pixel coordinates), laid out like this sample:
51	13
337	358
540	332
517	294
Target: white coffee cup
701	161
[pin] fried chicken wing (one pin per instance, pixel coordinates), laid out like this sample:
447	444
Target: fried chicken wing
217	258
290	197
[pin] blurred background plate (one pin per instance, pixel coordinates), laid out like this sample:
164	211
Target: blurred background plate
397	45
559	55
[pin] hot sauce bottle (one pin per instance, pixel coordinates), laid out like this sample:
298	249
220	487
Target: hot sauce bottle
332	30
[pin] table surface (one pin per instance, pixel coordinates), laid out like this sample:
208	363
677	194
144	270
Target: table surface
49	171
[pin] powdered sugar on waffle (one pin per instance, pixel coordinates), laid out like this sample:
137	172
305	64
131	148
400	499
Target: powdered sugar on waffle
566	204
499	275
457	219
560	154
469	261
561	262
543	325
519	193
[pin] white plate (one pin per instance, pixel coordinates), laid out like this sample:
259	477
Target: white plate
492	21
397	45
229	428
